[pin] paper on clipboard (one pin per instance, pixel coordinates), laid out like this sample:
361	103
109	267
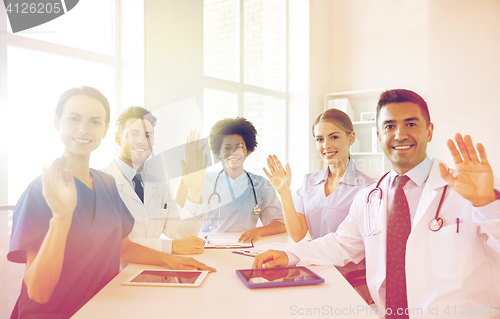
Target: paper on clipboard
214	241
252	252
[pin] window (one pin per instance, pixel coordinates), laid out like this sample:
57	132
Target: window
245	70
78	48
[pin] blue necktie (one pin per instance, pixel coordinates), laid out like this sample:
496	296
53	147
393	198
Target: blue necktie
139	190
398	230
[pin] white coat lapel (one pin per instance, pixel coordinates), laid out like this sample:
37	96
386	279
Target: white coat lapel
149	189
383	212
122	183
379	277
431	194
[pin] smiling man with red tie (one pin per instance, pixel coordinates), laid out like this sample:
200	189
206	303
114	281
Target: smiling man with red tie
430	235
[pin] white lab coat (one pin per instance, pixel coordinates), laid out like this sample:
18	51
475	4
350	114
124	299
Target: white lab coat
443	269
151	219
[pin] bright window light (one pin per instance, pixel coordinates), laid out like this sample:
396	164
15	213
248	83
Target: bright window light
267	115
36	81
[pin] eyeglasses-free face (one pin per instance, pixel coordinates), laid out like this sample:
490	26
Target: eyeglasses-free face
136	142
403	135
82	125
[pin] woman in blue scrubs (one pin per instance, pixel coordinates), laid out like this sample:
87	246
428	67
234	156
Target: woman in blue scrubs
323	200
70	226
244	197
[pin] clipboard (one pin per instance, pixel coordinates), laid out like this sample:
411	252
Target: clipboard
252	252
224	242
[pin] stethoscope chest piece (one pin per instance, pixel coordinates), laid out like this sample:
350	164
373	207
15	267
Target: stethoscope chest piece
436	224
256	210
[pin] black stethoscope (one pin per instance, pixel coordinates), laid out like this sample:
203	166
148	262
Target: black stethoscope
256	209
434	225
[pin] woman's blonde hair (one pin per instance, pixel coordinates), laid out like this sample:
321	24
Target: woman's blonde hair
336	117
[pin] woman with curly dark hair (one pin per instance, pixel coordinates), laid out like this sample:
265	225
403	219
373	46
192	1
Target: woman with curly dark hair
237	198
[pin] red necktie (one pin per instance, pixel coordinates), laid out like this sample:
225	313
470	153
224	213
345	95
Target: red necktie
398	229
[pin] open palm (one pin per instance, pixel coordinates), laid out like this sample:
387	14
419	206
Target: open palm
59	188
474	179
279	177
195	165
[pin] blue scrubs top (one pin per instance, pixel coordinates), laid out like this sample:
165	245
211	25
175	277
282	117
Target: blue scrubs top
92	255
238	201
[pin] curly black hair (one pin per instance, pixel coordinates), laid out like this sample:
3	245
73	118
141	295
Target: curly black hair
231	126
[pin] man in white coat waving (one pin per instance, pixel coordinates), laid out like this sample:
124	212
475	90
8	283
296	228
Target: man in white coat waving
148	198
430	235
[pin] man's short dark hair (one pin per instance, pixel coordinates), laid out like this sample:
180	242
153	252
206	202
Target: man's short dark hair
133	112
86	91
231	126
402	95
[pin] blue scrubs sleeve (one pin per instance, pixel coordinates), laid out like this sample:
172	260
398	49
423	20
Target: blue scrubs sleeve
31	220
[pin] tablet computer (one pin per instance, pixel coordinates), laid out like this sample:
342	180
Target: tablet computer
167	278
278	277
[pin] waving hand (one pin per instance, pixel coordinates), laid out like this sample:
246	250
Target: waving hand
279	177
59	188
474	179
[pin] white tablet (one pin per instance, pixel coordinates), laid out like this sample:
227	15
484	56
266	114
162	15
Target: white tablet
167	278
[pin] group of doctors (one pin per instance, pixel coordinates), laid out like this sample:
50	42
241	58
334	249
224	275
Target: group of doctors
72	215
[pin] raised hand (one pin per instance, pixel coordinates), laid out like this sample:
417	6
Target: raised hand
279	177
194	168
474	179
59	188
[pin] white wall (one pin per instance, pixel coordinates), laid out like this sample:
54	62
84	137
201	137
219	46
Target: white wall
320	69
173	76
299	90
448	51
464	73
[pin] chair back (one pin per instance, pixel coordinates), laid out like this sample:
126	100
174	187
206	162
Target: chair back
11	273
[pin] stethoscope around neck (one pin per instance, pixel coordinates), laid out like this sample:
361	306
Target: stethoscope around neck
256	209
434	225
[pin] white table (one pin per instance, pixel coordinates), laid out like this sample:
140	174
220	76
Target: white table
223	295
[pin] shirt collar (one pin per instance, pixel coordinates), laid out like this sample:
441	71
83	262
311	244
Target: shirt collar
321	178
349	178
126	170
418	174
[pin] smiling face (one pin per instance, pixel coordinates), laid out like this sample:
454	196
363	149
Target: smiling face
82	125
234	152
332	142
136	142
404	135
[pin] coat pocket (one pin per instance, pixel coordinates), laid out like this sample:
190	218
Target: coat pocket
451	252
